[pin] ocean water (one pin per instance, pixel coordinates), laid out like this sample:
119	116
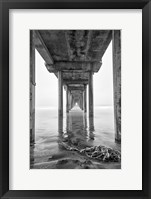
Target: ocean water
100	131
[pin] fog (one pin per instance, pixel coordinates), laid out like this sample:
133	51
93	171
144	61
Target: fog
47	83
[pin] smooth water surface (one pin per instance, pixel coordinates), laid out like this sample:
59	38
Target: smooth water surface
79	130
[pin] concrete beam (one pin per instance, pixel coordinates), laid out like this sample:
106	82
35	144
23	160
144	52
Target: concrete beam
41	47
75	85
99	43
76	92
77	42
116	40
88	42
77	81
80	88
70	66
68	46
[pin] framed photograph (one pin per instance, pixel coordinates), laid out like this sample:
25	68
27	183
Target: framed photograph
75	99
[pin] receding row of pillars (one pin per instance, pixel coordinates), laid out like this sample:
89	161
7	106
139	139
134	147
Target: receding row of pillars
82	102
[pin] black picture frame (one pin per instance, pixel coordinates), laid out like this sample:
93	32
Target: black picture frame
5	5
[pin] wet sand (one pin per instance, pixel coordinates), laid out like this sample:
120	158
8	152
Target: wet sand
50	150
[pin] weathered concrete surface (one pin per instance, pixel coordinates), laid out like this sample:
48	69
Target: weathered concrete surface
74	52
41	47
70	100
85	98
32	88
91	111
78	66
60	93
67	99
60	101
76	45
117	81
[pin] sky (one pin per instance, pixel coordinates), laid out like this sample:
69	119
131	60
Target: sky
47	83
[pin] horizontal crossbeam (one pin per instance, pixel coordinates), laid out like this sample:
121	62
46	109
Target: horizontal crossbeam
77	66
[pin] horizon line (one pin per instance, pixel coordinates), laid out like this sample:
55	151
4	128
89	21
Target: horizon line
44	107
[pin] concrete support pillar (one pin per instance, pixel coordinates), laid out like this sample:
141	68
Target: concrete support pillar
116	41
70	101
60	102
81	101
67	100
91	128
67	122
85	121
85	98
91	94
72	104
32	88
91	124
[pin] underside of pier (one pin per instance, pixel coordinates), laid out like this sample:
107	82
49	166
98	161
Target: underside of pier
74	56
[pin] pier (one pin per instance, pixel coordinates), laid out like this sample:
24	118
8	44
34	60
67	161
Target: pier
74	56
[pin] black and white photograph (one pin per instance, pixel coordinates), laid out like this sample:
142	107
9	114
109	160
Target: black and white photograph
75	99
